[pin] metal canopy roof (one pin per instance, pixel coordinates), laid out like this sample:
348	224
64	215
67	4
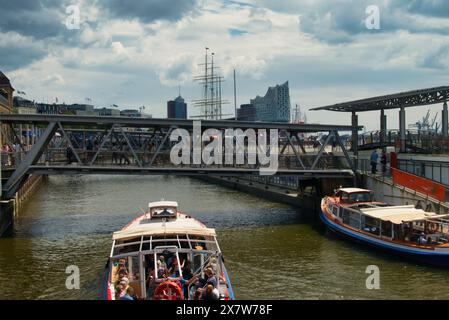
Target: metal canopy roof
393	101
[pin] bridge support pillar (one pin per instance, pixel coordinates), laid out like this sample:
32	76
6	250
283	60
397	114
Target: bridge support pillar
444	120
402	129
383	128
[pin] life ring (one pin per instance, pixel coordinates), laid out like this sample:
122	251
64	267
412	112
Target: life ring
168	290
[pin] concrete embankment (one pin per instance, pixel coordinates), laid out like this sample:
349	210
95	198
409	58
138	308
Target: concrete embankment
386	191
306	201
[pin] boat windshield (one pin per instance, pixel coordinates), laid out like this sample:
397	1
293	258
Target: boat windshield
360	197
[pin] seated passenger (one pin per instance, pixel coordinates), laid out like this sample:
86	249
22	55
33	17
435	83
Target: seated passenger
161	270
210	293
123	276
131	293
120	290
121	266
209	278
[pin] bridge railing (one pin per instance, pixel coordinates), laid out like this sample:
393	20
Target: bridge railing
417	141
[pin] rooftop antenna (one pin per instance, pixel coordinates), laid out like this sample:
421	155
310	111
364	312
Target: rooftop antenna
235	99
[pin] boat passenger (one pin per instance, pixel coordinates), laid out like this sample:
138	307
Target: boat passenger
121	266
123	276
131	293
422	239
210	293
121	290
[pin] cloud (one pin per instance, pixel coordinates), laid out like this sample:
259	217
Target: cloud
236	32
18	51
150	10
178	70
37	19
433	8
437	58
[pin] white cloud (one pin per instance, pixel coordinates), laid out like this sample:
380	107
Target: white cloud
329	60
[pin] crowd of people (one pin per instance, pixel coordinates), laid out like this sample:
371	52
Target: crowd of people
193	286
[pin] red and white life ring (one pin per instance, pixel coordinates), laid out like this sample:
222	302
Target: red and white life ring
168	290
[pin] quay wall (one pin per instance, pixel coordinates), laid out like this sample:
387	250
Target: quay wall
10	209
310	203
386	191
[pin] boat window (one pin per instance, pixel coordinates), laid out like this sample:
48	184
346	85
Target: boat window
386	229
345	215
360	197
163	212
335	210
344	197
371	225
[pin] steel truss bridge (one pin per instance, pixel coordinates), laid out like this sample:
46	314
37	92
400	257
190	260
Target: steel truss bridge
119	145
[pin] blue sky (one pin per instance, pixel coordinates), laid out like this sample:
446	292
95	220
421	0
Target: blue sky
134	53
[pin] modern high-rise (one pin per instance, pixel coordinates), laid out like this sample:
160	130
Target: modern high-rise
246	112
274	106
177	109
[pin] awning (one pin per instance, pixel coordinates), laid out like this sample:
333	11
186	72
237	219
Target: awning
398	214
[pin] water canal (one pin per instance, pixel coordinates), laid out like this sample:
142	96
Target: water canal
270	251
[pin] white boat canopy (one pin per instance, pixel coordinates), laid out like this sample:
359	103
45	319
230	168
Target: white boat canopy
398	214
137	232
162	204
353	190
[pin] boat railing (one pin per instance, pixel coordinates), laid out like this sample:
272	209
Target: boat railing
190	244
200	269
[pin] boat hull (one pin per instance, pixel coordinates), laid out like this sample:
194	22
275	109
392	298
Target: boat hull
421	256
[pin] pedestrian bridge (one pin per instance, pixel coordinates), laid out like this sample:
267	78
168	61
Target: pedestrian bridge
57	144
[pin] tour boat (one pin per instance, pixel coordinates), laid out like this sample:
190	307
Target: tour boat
403	230
166	255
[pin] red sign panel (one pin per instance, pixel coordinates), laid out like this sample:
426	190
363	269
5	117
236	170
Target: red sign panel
421	185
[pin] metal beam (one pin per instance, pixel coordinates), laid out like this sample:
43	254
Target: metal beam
13	183
102	145
131	147
215	171
154	122
66	137
323	147
345	152
295	151
161	145
393	101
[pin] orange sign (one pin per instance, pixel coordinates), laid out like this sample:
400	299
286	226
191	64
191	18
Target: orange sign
421	185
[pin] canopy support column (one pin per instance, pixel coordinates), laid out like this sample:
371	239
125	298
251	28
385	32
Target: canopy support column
383	129
402	133
355	138
444	120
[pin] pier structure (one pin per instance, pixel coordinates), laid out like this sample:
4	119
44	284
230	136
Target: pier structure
118	145
399	101
419	163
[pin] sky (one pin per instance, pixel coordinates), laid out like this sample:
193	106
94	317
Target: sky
137	53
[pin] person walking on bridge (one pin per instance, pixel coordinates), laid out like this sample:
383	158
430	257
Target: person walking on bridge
374	157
